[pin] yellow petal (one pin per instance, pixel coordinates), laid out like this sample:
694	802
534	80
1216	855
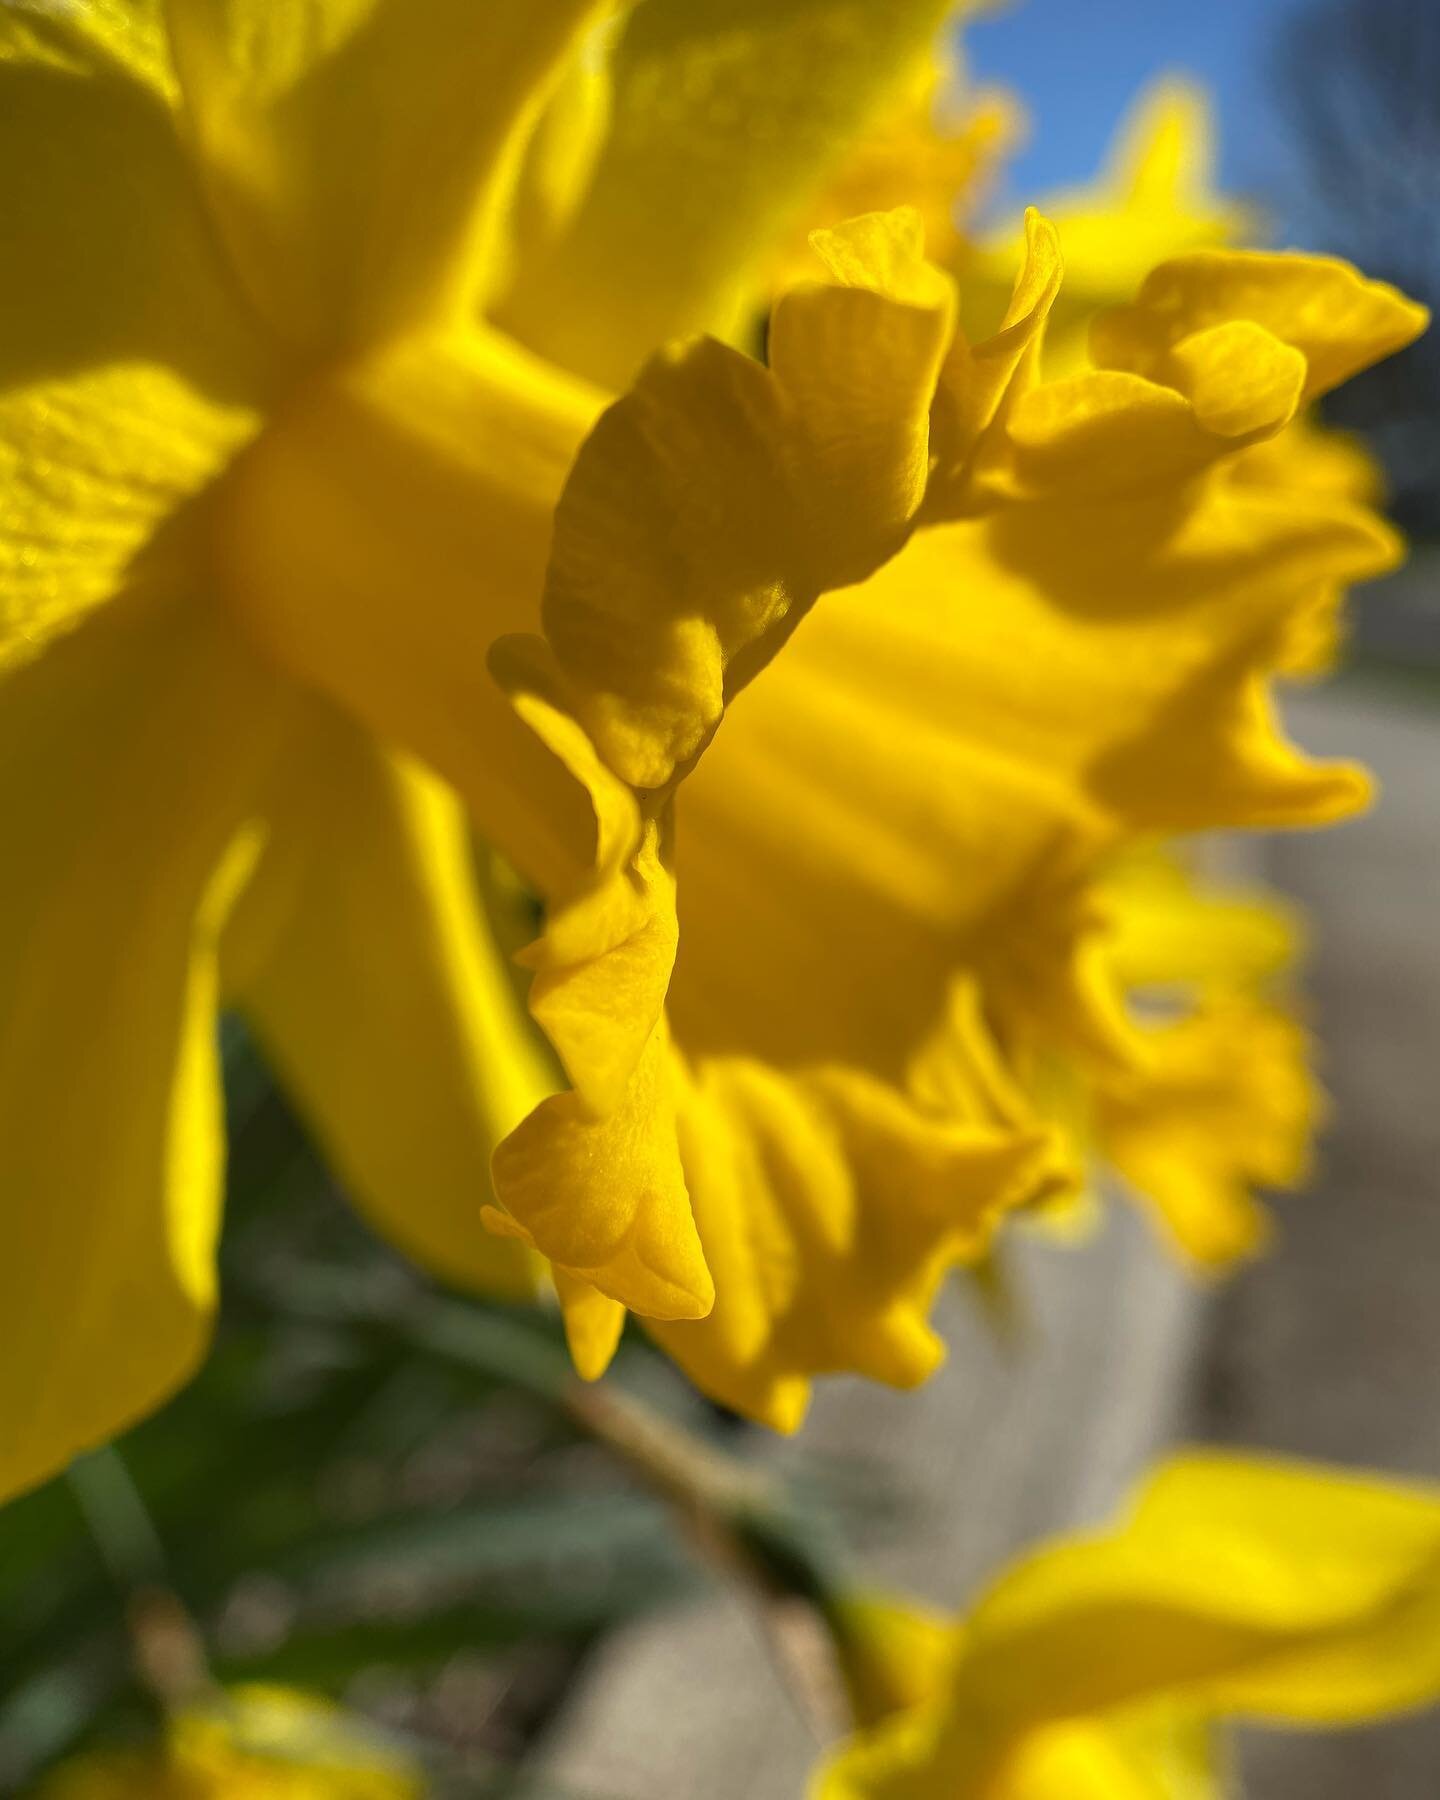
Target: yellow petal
554	168
916	784
109	418
1101	433
129	755
1162	153
1239	378
847	817
593	1324
346	147
711	505
1321	462
1167	930
1342	1578
934	146
1154	199
830	1209
1271	1589
980	384
525	670
1221	1099
1138	1753
645	662
106	242
92	468
389	525
1313	458
728	117
599	991
361	953
1107	432
605	1198
1224	1103
1322	307
124	37
1224	576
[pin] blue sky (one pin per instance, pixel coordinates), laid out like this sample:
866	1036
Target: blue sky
1077	63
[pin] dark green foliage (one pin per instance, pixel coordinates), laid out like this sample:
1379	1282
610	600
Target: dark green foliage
372	1489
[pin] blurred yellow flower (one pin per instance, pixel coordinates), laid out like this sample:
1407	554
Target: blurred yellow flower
1155	198
893	1655
301	345
253	1743
1098	1666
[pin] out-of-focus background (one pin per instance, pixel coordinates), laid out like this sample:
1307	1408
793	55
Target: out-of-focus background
378	1491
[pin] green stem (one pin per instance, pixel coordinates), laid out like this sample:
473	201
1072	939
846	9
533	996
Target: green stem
737	1516
166	1645
117	1519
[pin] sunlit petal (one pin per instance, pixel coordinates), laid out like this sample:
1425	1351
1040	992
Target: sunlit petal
130	755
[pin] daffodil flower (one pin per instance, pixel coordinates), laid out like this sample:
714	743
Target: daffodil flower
901	820
1101	1665
312	314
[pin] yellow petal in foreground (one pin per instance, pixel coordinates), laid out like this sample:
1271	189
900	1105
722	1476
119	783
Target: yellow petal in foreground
593	1324
1324	308
134	745
359	951
1233	1587
605	1198
107	246
822	454
96	470
130	757
391	522
109	419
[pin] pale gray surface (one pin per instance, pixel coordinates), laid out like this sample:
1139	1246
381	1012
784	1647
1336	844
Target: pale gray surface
1330	1349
